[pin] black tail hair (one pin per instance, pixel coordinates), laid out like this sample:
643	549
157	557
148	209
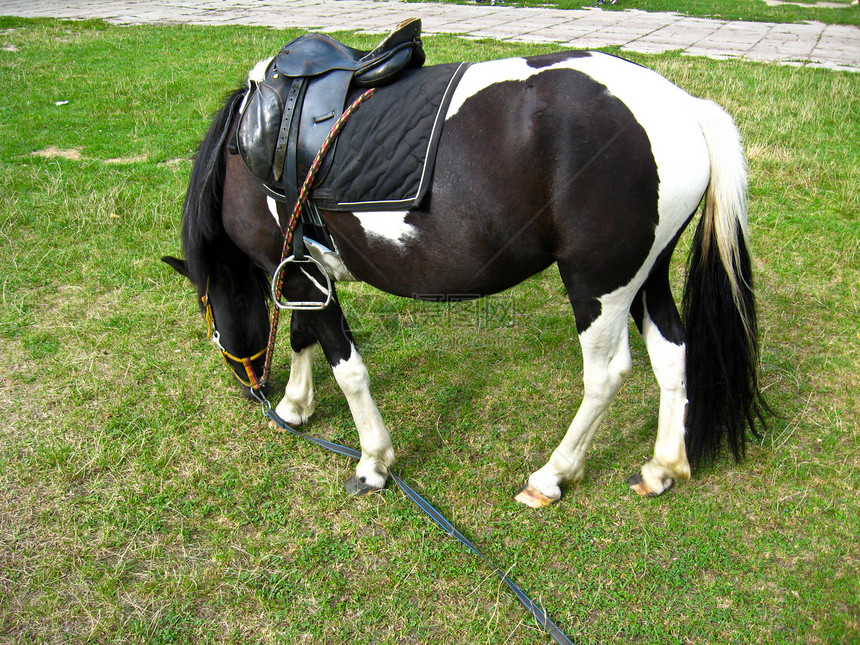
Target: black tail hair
722	354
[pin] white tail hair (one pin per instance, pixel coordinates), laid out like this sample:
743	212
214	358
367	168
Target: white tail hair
725	210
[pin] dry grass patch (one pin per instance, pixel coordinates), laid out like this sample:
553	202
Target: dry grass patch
73	154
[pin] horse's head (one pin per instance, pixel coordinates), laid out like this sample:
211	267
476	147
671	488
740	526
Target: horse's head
233	303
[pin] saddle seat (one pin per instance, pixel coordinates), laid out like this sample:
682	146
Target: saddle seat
288	114
315	54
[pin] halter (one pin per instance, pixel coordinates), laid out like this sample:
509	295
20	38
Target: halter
212	334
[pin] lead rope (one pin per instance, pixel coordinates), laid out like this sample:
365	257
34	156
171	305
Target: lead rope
294	220
537	612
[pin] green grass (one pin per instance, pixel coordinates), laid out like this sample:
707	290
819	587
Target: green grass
754	10
142	500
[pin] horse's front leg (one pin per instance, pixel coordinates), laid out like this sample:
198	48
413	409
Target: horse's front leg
377	454
297	406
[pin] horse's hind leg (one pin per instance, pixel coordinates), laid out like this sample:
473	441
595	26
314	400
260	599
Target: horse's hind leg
297	406
657	317
606	364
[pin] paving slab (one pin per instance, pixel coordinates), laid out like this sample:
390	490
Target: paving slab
814	44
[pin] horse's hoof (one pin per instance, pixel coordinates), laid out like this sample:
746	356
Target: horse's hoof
533	498
274	426
638	485
357	488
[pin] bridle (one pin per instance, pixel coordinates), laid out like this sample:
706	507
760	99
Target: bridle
246	376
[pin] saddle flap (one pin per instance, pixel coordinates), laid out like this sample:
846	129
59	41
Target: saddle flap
257	132
323	105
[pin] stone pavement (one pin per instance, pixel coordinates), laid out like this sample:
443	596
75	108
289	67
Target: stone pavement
811	44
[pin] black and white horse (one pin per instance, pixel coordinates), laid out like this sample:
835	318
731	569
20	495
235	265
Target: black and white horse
579	158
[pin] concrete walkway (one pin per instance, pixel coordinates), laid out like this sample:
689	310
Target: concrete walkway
812	44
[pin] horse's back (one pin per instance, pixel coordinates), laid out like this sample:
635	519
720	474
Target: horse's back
588	101
571	153
573	157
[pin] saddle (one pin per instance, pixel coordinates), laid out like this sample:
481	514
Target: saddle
288	115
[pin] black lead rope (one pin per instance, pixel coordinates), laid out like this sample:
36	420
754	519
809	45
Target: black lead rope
536	610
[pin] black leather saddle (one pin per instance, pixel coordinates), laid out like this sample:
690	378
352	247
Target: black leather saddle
288	115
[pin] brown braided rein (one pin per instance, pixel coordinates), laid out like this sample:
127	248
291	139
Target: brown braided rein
294	220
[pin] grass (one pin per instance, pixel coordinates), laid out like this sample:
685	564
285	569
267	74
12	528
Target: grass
142	500
753	10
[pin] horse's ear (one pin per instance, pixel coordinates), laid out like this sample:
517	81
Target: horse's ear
180	265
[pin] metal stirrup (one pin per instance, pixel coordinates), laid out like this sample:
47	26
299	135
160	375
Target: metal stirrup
302	305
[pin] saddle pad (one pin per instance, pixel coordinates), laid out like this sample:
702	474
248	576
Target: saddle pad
384	156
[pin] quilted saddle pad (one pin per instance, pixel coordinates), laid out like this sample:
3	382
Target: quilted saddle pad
385	154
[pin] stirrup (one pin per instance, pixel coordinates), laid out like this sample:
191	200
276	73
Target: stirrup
303	305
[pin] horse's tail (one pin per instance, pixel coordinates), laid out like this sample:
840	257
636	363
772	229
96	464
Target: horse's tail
719	304
201	214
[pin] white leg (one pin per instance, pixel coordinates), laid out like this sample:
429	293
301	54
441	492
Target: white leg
606	364
297	406
670	455
377	454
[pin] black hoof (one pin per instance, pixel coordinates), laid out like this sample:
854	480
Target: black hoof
634	479
357	488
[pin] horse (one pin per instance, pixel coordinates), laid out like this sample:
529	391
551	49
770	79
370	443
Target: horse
577	158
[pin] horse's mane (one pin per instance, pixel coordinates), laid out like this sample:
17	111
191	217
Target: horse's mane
201	213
